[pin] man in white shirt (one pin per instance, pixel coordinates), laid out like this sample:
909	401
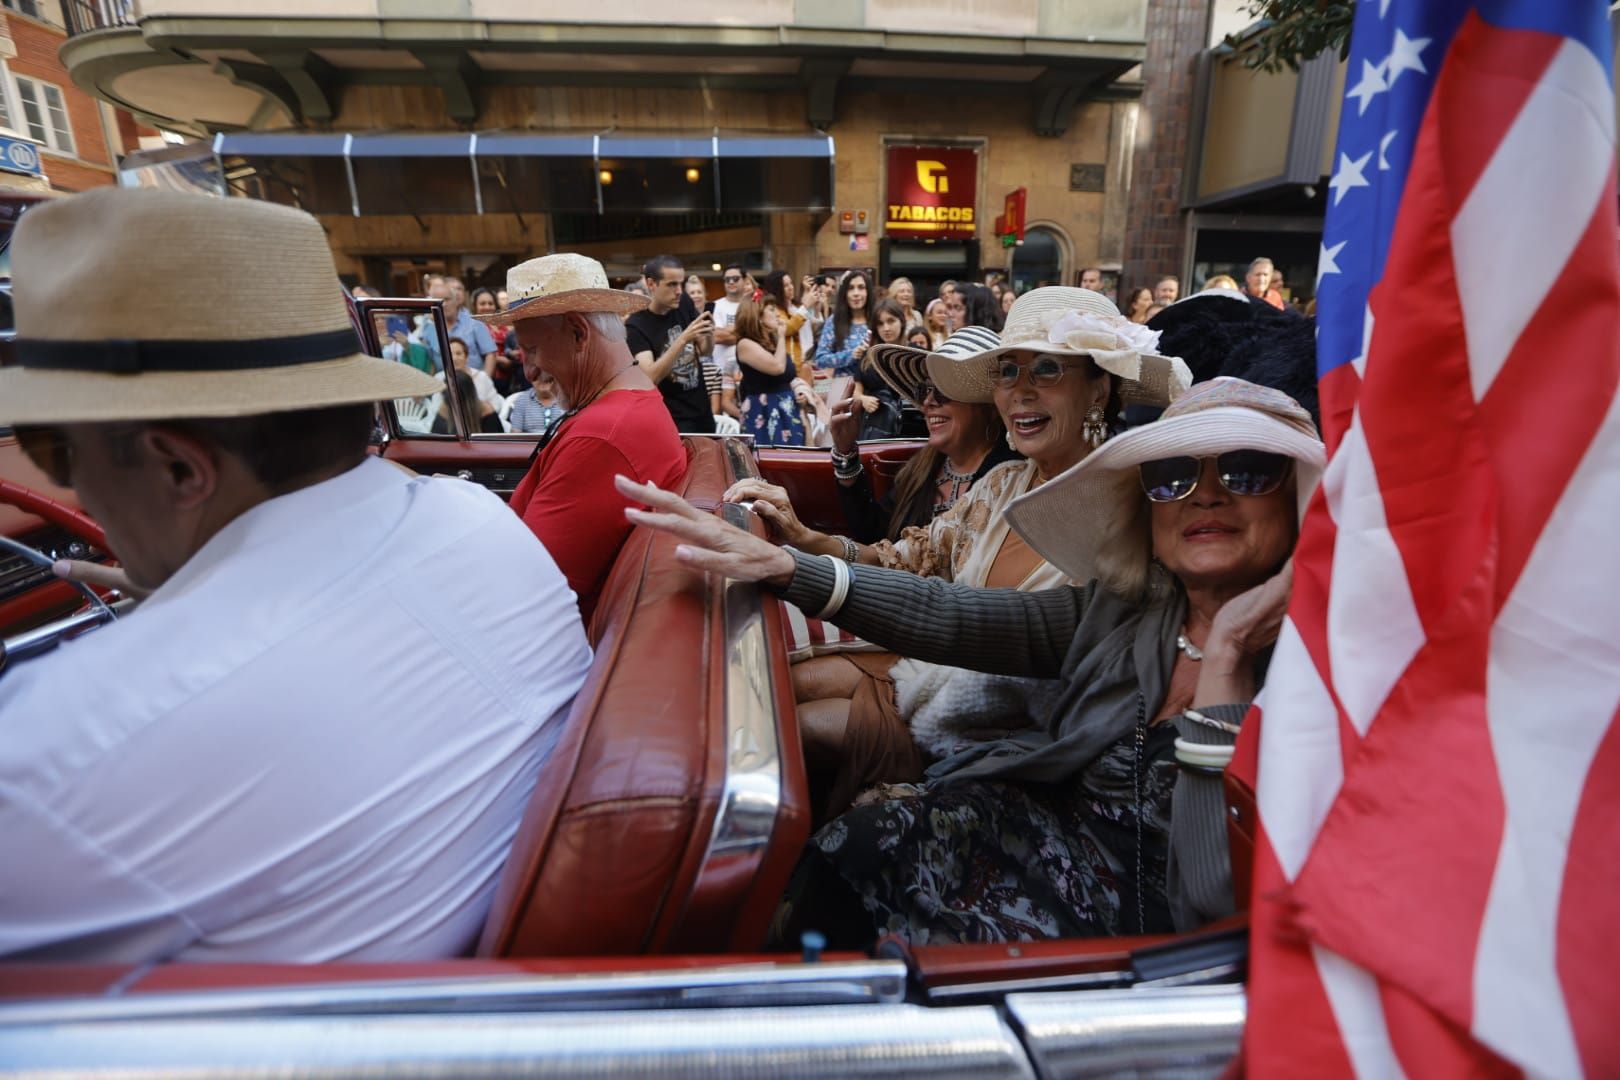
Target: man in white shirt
316	737
735	279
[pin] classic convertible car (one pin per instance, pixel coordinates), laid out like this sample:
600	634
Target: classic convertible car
627	934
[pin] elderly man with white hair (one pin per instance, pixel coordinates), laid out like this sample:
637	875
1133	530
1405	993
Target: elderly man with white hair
568	323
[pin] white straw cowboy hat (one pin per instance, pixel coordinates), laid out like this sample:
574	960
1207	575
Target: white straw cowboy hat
1059	320
558	284
1073	519
152	305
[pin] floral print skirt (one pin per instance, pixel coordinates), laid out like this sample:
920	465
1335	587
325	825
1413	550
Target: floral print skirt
772	418
994	861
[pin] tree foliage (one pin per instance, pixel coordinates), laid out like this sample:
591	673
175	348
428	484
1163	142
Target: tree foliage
1289	32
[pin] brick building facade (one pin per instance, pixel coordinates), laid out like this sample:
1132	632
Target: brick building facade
1156	240
98	134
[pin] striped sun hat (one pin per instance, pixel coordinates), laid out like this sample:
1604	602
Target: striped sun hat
905	367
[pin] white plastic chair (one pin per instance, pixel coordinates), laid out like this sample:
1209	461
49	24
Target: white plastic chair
726	425
416	414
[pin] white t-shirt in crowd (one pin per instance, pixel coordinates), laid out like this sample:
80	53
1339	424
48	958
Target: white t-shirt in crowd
315	742
725	314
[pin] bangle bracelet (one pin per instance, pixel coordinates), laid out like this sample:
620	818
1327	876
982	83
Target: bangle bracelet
840	590
1219	725
1203	756
852	550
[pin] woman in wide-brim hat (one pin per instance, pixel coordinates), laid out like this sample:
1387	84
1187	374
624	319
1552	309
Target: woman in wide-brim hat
1056	375
1105	816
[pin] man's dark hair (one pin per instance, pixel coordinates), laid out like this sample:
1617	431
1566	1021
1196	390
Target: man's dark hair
654	267
734	266
283	449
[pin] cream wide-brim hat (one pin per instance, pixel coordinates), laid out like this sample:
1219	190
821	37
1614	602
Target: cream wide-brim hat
558	284
1069	519
152	305
1060	320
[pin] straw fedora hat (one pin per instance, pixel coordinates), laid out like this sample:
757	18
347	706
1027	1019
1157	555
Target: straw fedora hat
152	305
1078	519
557	284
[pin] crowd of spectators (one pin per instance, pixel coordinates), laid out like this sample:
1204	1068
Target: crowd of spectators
776	377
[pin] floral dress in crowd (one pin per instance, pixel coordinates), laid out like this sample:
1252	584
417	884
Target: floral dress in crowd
772	418
994	861
841	360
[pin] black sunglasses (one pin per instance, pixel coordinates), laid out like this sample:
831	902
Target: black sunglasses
1241	472
927	392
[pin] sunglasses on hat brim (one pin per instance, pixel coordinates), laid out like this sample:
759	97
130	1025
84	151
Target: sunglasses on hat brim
1241	472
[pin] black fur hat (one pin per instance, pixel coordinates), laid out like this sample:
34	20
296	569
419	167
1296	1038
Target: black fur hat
1227	333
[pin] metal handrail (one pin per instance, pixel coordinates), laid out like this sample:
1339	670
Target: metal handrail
85	16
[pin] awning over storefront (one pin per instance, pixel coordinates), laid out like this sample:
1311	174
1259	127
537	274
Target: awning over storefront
507	172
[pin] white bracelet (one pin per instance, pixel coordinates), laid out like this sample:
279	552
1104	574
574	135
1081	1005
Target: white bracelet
1203	755
840	591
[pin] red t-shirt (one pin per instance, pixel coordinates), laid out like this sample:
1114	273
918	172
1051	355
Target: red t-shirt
568	498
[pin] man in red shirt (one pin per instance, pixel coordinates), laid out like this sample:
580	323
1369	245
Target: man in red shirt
567	321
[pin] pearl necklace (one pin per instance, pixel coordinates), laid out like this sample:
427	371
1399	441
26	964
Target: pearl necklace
1188	649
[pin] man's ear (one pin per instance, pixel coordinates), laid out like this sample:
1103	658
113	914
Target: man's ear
578	325
188	466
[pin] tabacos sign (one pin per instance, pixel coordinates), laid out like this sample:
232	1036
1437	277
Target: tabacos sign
932	192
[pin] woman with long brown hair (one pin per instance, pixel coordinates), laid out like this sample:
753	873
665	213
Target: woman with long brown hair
765	398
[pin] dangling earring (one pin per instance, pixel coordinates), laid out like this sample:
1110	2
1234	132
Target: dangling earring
1011	445
1095	428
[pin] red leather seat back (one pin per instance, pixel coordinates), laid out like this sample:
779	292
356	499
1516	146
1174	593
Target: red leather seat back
1241	818
620	852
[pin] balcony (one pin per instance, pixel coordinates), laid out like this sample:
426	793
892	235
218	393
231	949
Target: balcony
86	16
211	65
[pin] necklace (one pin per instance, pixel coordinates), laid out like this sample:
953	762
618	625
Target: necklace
1188	649
949	486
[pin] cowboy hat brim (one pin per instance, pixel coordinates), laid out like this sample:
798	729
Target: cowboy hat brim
49	396
1067	519
616	301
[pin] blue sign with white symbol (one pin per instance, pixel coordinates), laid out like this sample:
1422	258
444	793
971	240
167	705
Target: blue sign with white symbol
17	155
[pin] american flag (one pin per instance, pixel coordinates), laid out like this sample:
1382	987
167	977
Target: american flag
1437	875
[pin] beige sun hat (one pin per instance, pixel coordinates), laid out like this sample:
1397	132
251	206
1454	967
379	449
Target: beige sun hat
1080	518
155	305
557	284
1061	320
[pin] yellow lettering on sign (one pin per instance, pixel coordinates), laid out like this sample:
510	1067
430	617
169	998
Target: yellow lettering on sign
931	177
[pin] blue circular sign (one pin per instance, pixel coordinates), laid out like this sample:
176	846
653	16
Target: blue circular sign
23	156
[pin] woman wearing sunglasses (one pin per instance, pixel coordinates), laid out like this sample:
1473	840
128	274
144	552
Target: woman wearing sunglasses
866	719
1106	816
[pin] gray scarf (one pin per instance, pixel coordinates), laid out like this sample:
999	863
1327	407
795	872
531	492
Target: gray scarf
1121	650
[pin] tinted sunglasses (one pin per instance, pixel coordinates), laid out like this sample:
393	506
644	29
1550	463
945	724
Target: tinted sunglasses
1241	472
1043	371
928	393
48	449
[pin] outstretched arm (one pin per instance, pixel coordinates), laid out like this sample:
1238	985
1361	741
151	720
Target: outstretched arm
996	630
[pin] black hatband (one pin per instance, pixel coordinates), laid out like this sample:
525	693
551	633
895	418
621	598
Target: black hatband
133	357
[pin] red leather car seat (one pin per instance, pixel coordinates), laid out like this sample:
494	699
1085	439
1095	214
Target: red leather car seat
618	851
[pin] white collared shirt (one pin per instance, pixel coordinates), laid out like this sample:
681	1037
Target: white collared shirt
314	742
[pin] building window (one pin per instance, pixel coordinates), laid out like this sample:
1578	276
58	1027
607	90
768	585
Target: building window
1038	260
31	8
45	113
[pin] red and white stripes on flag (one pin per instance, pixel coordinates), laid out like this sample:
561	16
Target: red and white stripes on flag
1437	766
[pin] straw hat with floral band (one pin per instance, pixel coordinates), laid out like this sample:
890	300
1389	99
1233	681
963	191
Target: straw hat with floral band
1092	521
1060	321
558	284
110	326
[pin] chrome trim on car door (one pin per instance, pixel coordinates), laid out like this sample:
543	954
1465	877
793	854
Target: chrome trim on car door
832	982
1186	1031
836	1040
751	794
